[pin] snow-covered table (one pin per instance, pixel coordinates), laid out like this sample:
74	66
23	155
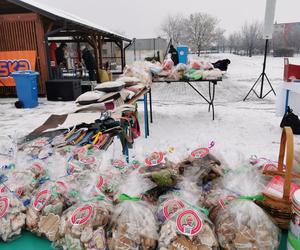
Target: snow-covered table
212	82
289	95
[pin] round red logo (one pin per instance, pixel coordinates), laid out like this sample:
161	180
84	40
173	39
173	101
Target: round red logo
189	222
72	168
37	168
171	207
100	183
88	160
41	199
269	167
81	215
4	203
154	159
200	153
120	164
61	187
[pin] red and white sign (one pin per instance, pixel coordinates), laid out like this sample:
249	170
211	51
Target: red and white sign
81	215
200	153
189	222
154	159
41	199
4	204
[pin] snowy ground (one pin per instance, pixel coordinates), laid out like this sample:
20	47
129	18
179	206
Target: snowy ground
181	120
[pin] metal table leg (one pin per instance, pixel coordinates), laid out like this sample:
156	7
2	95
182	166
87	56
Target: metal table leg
209	93
213	97
146	120
150	100
287	100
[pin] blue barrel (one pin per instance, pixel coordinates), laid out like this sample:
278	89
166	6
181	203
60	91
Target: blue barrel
182	53
27	87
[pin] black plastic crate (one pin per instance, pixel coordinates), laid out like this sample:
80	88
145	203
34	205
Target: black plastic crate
63	90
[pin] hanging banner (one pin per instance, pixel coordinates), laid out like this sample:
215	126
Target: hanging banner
11	61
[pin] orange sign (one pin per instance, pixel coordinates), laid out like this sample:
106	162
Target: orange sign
11	61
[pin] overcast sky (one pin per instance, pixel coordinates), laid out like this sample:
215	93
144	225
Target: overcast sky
142	18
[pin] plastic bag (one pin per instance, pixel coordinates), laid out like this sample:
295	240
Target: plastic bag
83	225
21	183
168	64
201	166
47	205
186	226
133	224
240	223
12	216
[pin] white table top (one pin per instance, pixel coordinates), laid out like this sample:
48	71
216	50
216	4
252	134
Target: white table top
292	86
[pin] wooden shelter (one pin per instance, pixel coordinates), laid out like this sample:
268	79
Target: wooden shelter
28	25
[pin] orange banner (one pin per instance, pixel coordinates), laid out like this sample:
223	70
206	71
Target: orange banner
11	61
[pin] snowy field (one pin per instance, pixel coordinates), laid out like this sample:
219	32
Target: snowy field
181	120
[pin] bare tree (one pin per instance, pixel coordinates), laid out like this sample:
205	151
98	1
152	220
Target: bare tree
251	35
172	27
201	30
221	41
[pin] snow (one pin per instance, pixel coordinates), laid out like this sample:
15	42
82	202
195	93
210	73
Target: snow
181	120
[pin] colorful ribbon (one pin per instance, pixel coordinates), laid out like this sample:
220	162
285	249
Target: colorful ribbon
125	197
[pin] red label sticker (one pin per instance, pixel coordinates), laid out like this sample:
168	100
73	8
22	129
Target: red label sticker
40	143
200	153
171	207
72	168
81	215
4	204
270	167
80	151
3	189
120	164
275	187
20	191
154	159
100	183
224	202
61	187
37	168
189	222
41	199
88	160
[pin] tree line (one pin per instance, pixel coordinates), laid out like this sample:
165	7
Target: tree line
201	31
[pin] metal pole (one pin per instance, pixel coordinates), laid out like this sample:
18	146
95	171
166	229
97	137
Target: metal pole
264	68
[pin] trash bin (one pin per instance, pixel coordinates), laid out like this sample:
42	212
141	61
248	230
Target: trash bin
182	53
27	88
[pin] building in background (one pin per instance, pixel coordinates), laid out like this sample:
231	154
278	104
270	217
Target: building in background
286	37
146	48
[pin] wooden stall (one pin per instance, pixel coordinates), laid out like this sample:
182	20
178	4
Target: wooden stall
28	26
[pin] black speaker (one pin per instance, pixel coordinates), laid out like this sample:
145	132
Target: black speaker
63	90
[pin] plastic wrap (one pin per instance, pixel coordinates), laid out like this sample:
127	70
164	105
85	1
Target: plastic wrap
83	226
47	205
201	166
168	64
22	183
186	226
12	216
133	224
240	223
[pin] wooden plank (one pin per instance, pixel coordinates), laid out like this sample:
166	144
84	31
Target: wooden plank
138	96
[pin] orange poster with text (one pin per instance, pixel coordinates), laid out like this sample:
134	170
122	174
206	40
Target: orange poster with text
11	61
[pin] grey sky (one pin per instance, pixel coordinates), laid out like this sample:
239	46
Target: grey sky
142	19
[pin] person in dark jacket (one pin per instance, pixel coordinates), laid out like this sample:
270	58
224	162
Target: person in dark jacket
60	54
90	63
174	54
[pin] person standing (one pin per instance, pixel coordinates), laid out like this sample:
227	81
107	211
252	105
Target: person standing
174	54
90	63
60	59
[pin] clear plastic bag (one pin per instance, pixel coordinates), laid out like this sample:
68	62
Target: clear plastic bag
133	224
83	226
240	223
186	226
12	216
47	205
201	166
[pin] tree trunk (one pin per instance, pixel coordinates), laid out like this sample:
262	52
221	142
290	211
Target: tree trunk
199	49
